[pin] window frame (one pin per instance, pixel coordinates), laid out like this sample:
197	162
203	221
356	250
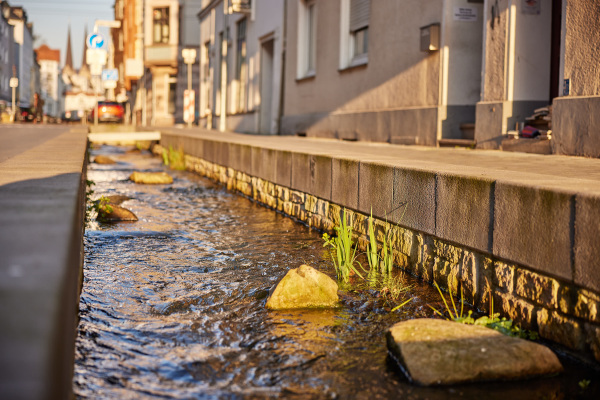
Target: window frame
241	66
349	39
162	22
307	39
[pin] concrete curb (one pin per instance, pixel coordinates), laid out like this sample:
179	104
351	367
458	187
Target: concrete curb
42	207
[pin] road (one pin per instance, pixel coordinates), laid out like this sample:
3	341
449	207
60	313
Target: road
18	138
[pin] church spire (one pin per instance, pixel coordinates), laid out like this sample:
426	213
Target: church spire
69	59
84	57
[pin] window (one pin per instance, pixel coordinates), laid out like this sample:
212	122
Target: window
360	11
172	98
307	39
354	32
160	20
241	64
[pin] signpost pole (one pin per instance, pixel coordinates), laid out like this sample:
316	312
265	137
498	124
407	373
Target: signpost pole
14	110
189	70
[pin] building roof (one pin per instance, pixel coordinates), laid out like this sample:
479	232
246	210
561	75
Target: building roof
46	53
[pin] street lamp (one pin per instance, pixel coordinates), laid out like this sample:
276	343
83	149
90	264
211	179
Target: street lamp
189	115
13	83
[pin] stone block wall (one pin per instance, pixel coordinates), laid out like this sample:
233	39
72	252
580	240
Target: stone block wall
457	254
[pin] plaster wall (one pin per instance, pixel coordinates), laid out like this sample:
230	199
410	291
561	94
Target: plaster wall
398	76
582	47
532	54
463	40
494	68
264	24
576	127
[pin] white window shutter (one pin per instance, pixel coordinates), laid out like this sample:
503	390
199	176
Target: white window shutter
360	11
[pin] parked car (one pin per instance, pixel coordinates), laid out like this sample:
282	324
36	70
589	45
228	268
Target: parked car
25	115
72	116
108	111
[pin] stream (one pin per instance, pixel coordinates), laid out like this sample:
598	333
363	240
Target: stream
172	306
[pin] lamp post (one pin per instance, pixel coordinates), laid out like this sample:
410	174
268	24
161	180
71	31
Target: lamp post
13	83
189	58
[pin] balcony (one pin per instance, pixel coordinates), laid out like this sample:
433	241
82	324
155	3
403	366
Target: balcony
161	54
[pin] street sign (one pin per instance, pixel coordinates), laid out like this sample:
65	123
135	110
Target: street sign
13	82
189	56
110	74
95	69
189	97
94	41
96	56
109	84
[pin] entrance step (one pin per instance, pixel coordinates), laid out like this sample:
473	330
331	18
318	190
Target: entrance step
456	143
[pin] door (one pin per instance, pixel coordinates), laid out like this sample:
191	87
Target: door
266	87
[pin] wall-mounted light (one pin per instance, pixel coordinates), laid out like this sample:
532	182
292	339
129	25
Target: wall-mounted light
430	37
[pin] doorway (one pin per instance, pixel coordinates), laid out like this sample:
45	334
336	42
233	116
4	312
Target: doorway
266	86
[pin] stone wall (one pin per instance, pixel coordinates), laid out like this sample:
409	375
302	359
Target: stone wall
558	309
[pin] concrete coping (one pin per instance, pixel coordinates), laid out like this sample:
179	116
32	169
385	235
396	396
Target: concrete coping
42	196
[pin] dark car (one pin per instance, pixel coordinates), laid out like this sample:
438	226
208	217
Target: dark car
25	115
72	116
108	111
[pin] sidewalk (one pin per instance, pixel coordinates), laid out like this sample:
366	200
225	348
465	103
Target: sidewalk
42	189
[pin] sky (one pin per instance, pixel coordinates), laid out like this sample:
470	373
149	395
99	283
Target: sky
51	19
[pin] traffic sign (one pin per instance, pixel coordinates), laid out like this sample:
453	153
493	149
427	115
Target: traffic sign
96	56
95	41
110	74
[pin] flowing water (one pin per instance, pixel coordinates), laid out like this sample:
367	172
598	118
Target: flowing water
173	306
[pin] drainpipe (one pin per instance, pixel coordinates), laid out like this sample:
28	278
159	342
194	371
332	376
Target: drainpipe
282	81
223	116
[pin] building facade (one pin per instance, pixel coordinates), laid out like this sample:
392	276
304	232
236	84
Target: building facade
49	61
241	56
6	59
23	53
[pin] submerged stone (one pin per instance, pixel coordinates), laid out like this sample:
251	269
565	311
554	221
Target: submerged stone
151	178
116	199
114	213
303	287
104	160
439	352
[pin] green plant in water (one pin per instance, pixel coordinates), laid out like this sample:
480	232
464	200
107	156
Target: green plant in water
89	205
102	207
175	159
493	321
342	250
584	383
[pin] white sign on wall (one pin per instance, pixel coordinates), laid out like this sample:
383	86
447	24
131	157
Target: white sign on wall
468	14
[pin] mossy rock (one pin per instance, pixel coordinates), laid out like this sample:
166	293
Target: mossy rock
114	213
303	287
116	199
439	352
104	160
151	178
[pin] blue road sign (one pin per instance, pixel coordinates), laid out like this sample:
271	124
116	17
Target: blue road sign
95	41
110	74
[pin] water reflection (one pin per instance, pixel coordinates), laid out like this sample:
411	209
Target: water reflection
173	307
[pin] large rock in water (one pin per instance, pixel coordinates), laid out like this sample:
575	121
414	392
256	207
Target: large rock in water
151	178
439	352
105	160
114	213
303	287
